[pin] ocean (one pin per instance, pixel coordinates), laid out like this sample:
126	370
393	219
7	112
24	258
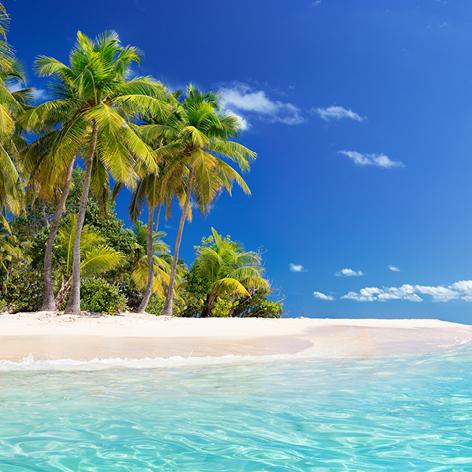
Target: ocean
238	414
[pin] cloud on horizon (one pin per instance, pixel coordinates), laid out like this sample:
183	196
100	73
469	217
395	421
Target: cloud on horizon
245	102
461	290
338	113
348	272
376	160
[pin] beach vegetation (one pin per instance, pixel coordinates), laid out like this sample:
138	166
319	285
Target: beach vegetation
100	296
65	161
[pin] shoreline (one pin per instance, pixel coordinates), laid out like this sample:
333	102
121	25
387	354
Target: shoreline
50	336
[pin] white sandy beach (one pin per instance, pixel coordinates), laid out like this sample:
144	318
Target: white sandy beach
51	336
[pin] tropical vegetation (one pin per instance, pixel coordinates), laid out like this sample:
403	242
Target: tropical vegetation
65	161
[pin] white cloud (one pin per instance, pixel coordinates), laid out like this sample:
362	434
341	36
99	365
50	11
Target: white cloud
347	272
393	268
36	93
338	113
242	99
372	294
438	293
296	267
323	296
461	290
377	160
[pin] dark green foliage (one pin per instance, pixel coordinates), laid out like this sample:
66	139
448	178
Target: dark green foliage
99	296
132	294
155	305
3	305
23	289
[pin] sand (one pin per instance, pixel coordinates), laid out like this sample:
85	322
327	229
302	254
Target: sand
54	336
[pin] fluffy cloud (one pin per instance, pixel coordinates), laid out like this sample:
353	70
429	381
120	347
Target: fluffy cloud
377	160
338	113
296	267
393	268
461	290
243	101
323	296
372	294
36	93
347	272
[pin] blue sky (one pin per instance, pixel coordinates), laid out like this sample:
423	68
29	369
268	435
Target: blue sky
360	115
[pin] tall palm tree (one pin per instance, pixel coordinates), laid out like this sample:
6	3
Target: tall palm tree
150	189
199	140
12	104
95	105
156	132
49	182
159	259
228	270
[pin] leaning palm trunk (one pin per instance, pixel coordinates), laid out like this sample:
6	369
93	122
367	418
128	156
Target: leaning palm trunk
74	301
49	303
170	291
150	260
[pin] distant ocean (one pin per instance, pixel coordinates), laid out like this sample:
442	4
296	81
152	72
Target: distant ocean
237	414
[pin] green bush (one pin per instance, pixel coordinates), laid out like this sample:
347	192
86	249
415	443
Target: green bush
99	296
222	308
3	305
155	305
23	290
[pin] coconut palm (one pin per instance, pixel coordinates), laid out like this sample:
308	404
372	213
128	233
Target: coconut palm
95	105
152	190
12	104
160	264
96	256
198	142
149	189
228	270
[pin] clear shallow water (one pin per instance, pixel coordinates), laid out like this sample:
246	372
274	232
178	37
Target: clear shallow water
303	415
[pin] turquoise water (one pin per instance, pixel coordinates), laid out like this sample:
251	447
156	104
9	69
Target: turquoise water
289	415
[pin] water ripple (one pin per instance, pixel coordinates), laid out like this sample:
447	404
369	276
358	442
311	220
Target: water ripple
299	415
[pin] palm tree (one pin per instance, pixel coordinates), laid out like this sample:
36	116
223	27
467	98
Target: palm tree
95	105
199	139
150	189
228	270
160	265
12	104
156	132
96	256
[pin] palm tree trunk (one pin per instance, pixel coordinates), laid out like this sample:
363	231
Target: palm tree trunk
49	304
207	306
158	217
150	260
74	300
170	291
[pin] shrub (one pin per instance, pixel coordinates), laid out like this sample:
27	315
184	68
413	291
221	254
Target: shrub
99	296
3	306
23	290
155	305
222	308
